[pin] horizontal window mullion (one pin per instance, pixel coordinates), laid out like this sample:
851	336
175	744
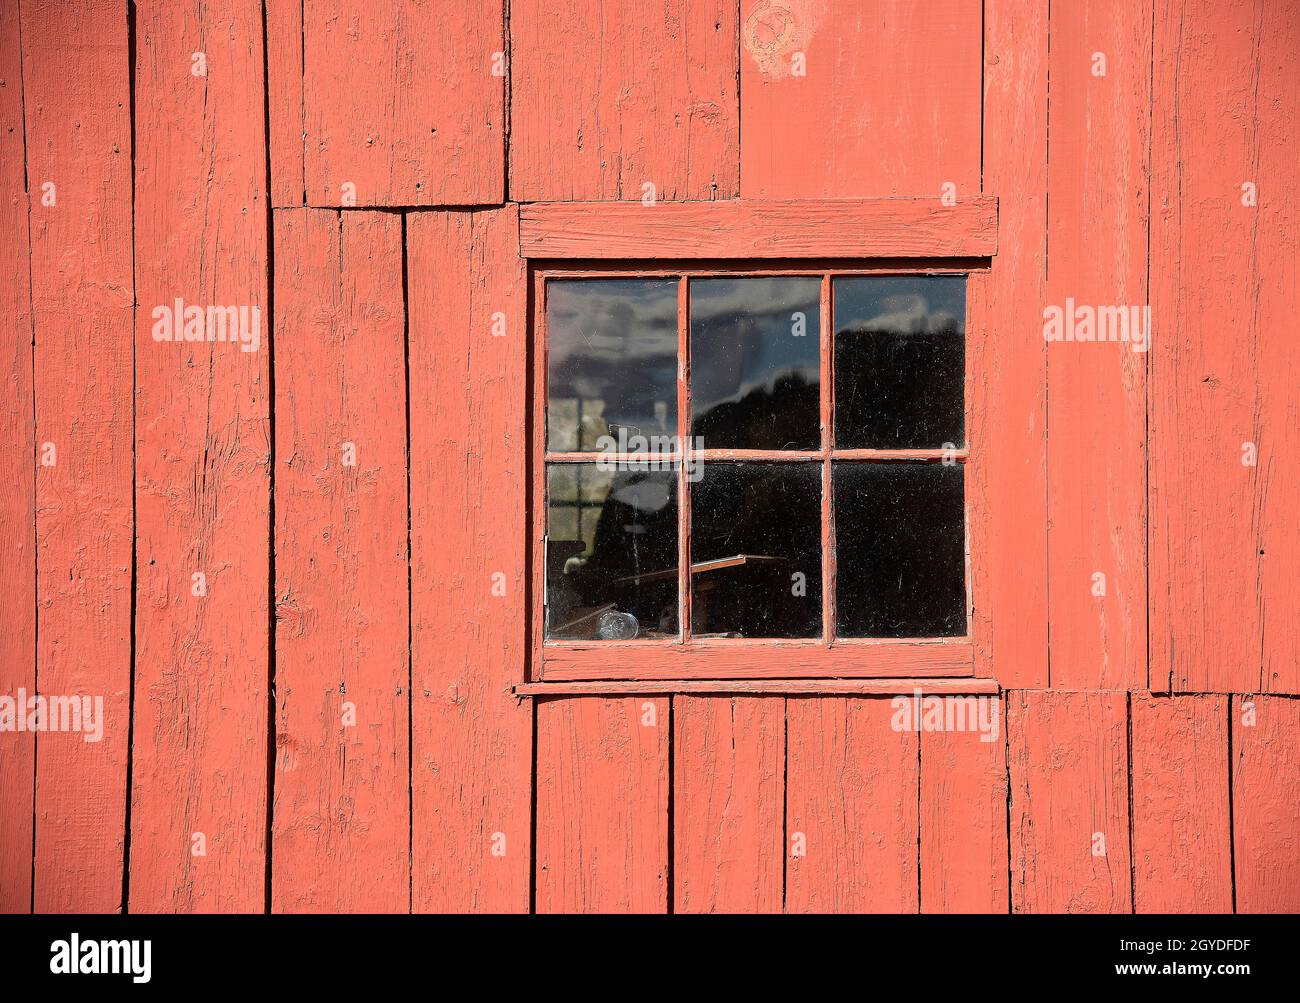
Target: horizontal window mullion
883	455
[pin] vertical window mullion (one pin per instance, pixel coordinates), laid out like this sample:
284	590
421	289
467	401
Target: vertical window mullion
683	442
827	418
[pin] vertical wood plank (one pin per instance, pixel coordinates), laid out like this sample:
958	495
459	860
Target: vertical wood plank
964	855
469	447
851	808
602	805
843	99
76	76
1068	757
1208	513
1266	803
17	480
341	835
728	804
198	812
1100	69
610	95
1009	472
1182	819
1277	237
400	99
285	96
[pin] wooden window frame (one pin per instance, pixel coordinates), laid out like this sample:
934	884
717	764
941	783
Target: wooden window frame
573	240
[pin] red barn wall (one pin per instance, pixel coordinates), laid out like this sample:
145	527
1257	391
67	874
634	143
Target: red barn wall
355	171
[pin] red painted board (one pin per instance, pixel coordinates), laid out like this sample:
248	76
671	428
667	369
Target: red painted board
471	780
76	85
1278	249
964	858
1009	406
403	101
1098	174
728	804
1097	177
17	480
1068	757
1266	803
202	456
609	96
341	833
602	805
842	99
285	98
1182	822
803	228
1223	405
851	807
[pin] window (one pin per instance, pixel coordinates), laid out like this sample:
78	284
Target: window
751	474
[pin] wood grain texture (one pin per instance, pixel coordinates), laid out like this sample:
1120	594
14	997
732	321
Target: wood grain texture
202	457
1277	237
888	104
813	228
964	853
1182	822
341	835
1266	803
1009	407
1097	239
287	145
472	737
400	100
852	795
728	804
17	478
1223	542
771	659
610	95
1068	758
602	805
76	79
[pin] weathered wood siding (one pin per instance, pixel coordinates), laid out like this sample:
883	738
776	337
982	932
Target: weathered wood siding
299	576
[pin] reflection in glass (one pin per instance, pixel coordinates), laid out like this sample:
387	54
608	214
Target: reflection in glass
611	553
900	545
756	550
755	369
611	360
900	361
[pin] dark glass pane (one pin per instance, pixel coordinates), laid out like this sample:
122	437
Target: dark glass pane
900	546
611	553
755	363
756	563
900	362
612	361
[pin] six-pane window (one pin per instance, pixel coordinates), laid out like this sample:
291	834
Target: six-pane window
755	456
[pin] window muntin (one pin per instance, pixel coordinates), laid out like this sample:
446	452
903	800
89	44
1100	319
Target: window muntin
756	553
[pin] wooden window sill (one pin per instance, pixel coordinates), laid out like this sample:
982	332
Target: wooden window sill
577	661
969	686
